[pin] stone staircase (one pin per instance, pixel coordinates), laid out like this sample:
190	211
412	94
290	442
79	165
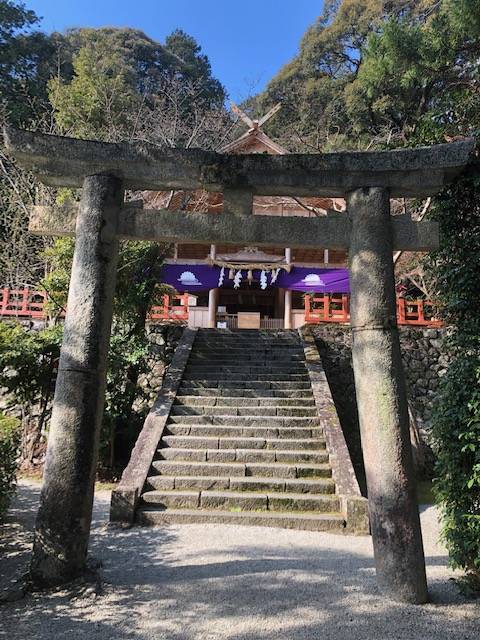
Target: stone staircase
243	441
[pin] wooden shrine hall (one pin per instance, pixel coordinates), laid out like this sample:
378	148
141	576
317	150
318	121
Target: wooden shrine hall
253	300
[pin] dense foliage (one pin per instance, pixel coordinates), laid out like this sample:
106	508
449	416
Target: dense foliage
137	289
456	269
376	73
109	84
9	445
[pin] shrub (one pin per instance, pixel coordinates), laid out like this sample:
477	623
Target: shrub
9	443
456	420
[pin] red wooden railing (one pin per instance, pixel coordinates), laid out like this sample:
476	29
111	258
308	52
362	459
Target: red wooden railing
335	308
25	303
169	310
22	303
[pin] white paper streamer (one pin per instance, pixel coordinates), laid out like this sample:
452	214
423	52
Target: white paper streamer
263	280
237	280
275	274
222	277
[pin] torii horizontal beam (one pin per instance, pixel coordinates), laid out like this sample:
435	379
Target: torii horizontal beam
163	225
64	162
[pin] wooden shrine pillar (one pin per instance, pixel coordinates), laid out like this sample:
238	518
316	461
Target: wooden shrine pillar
63	521
212	307
382	400
213	295
287	322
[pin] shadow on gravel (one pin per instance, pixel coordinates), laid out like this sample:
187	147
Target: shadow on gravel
215	582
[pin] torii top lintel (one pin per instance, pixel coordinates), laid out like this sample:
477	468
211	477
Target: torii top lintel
64	162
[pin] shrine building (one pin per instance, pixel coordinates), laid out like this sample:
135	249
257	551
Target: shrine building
232	286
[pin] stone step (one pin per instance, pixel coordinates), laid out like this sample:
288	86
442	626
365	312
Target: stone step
242	455
209	341
264	469
258	352
285	385
247	421
198	410
229	431
212	442
242	369
250	358
227	378
252	442
246	345
294	485
243	500
186	390
303	521
221	401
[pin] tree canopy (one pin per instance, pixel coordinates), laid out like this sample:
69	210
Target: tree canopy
371	73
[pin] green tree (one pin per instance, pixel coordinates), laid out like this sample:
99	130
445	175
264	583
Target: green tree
27	59
419	80
126	86
120	78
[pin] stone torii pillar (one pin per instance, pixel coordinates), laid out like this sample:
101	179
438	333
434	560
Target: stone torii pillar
382	400
63	522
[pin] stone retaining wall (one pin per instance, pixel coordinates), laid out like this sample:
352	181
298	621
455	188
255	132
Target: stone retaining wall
424	364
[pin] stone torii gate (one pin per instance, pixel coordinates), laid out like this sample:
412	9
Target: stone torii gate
366	179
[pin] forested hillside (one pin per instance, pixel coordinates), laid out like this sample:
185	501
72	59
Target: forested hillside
375	73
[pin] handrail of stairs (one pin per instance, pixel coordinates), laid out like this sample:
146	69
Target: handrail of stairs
125	496
354	506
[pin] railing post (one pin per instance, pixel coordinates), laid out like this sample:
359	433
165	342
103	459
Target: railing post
326	307
306	302
4	301
345	314
420	314
401	319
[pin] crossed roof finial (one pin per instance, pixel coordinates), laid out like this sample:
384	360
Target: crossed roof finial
253	125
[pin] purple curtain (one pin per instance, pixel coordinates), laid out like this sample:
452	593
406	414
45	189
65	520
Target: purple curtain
201	277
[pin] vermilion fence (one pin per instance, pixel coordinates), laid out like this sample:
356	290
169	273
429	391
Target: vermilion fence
22	303
335	308
173	308
26	303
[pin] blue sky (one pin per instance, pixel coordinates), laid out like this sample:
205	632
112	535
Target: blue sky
247	41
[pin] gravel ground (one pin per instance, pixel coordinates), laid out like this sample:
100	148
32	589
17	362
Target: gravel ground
219	581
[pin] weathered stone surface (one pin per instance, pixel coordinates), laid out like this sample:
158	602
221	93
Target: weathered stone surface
61	161
423	370
175	499
301	502
232	500
343	472
63	521
382	401
191	228
306	522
